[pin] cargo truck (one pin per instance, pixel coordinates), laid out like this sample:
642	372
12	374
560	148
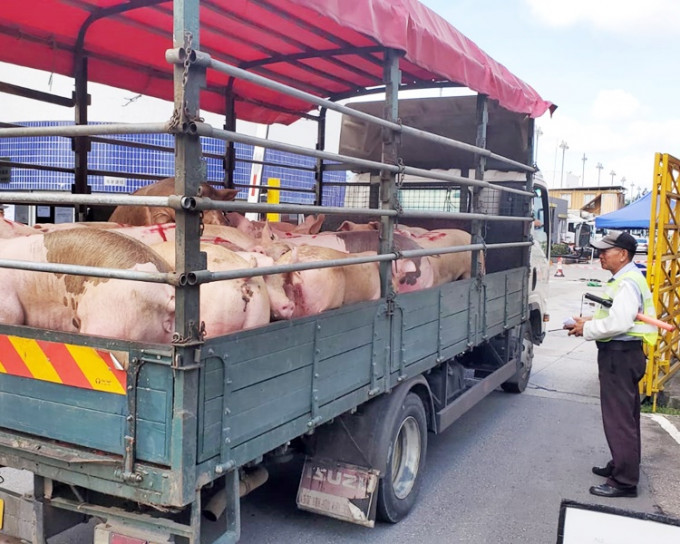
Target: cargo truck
161	450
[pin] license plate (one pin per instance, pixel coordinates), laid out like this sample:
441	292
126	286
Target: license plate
339	490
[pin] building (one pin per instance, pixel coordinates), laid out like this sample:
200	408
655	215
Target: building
113	169
591	201
558	218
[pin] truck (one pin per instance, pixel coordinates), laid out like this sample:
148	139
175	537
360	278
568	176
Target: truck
160	450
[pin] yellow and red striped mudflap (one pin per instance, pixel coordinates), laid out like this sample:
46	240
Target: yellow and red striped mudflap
67	364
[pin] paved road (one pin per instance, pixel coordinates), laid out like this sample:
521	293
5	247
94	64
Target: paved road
500	473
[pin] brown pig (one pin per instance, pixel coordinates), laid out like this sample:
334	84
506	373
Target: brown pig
146	215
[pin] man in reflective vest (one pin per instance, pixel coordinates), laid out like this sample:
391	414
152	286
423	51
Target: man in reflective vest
621	361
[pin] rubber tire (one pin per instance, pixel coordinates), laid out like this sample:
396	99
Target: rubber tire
518	383
390	507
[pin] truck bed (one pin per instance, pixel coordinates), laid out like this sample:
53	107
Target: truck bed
255	390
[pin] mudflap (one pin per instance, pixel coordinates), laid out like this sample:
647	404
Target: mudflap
339	490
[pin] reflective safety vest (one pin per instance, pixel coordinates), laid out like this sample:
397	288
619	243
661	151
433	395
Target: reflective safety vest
642	330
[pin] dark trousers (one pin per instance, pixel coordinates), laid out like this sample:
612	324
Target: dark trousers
621	366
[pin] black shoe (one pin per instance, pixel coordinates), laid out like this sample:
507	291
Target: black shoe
606	490
605	472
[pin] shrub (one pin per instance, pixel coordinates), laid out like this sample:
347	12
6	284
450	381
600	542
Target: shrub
559	249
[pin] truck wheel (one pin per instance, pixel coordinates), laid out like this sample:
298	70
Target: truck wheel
518	383
398	489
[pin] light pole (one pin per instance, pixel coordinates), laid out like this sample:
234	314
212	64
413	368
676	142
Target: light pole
612	174
539	133
583	172
563	147
599	171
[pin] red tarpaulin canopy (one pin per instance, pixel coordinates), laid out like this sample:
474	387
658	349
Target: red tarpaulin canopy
329	48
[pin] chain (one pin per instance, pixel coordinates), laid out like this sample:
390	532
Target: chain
199	331
398	183
177	115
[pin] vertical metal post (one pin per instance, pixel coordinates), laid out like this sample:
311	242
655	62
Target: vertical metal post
390	155
188	80
528	210
529	225
81	144
229	163
320	146
482	121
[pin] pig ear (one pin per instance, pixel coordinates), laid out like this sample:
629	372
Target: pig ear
216	194
296	278
234	218
315	225
346	225
226	194
375	225
161	216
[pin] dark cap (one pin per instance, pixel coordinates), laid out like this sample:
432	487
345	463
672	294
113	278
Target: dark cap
616	238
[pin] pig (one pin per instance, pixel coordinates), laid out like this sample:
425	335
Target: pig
410	274
281	306
232	235
12	229
351	225
311	225
449	266
316	290
129	310
156	234
375	225
229	305
146	215
51	227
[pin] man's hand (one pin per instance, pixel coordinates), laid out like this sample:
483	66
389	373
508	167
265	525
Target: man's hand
577	329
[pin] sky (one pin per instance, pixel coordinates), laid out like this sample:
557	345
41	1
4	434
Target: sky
611	66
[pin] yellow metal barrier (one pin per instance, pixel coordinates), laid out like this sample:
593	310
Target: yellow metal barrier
273	196
663	268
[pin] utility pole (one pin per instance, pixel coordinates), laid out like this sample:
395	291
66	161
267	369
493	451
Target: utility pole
599	171
563	147
612	174
583	172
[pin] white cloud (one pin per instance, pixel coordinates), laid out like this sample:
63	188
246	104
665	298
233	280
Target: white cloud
614	15
628	149
614	105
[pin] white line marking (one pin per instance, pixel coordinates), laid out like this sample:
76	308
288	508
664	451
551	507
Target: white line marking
666	426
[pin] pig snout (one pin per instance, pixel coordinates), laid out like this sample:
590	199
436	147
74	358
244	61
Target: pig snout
283	310
406	272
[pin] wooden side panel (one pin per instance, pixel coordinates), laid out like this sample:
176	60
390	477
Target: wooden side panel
263	387
68	414
278	378
437	323
91	419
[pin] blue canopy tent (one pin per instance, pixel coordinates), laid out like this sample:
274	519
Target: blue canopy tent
634	216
